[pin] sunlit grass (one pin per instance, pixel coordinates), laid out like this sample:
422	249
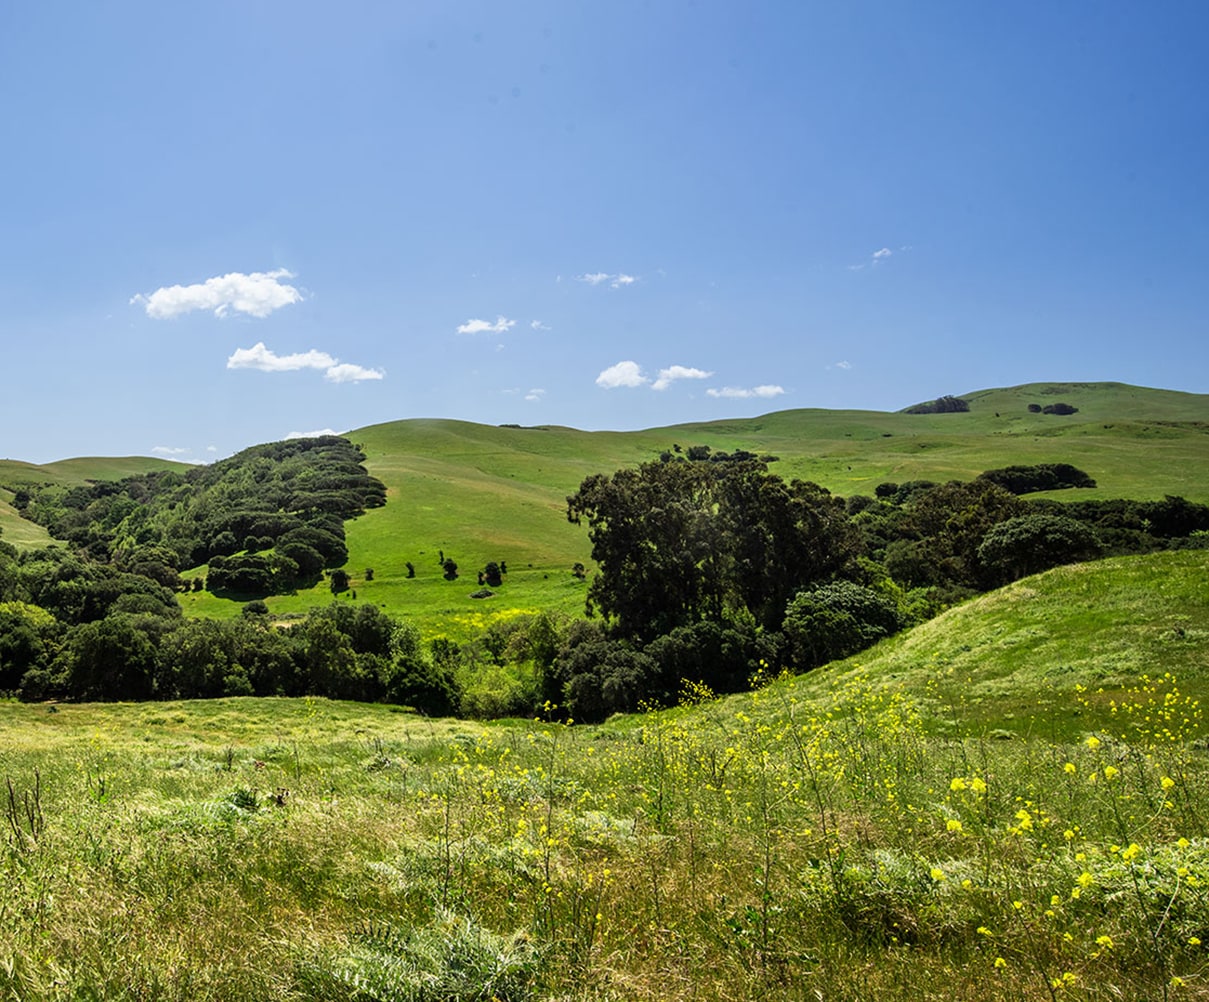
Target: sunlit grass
817	833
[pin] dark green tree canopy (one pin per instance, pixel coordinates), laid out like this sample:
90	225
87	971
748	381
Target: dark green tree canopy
679	542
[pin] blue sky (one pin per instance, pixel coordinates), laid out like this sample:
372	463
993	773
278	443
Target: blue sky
226	223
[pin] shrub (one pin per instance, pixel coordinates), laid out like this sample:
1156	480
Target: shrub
835	620
1030	544
1042	477
941	405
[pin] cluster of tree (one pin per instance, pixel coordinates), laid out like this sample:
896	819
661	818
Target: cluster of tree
941	405
343	651
267	520
714	571
680	541
1042	477
1058	408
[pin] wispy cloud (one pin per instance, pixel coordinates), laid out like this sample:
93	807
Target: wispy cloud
312	434
741	393
618	281
168	450
537	325
627	374
262	358
256	295
501	325
630	374
673	372
535	395
843	365
266	360
880	256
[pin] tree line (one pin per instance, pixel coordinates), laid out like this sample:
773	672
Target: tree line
709	569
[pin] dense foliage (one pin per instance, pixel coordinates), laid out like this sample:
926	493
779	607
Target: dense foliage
344	651
679	541
941	405
267	520
1042	477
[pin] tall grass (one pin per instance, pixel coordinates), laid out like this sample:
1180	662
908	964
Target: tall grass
786	844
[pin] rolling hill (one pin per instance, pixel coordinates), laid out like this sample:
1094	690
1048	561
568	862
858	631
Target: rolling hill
478	493
482	493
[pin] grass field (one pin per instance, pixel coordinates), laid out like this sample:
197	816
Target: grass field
1005	803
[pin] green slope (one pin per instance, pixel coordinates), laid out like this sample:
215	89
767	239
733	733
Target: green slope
67	473
484	493
1048	655
481	493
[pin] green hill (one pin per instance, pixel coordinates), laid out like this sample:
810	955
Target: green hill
479	493
1048	655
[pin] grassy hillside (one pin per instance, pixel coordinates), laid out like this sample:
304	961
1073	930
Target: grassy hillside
480	493
855	833
68	473
1049	655
483	493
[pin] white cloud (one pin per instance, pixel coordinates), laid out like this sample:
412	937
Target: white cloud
346	372
168	450
535	395
671	373
885	252
622	374
621	280
266	360
260	357
537	325
595	278
312	434
739	393
501	325
843	365
257	295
